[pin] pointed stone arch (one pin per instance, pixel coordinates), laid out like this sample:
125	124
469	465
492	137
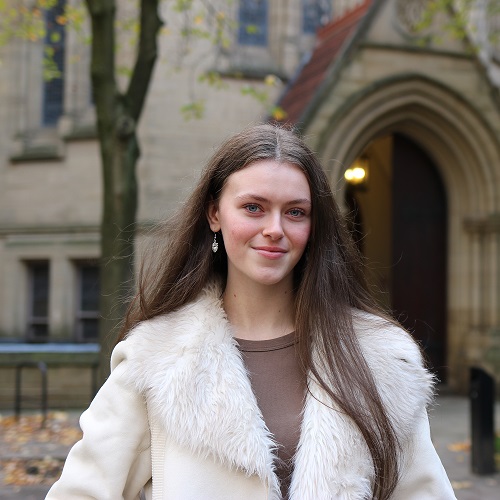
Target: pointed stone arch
466	152
451	130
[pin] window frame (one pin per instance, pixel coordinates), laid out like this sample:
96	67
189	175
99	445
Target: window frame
33	320
79	314
53	91
323	8
246	39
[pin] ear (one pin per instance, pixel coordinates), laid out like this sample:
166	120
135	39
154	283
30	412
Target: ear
213	215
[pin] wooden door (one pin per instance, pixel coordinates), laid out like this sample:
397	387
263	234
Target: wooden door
419	249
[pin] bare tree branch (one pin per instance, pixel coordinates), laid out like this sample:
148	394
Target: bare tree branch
150	24
102	14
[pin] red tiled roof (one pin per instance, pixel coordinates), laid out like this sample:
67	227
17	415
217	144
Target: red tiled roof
330	40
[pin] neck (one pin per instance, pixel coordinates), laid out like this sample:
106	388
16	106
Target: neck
260	312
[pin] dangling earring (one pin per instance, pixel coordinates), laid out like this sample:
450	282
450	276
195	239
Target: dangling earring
215	245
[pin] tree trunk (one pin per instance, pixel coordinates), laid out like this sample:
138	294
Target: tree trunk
117	237
117	116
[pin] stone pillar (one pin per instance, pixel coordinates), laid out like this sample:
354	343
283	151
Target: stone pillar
62	297
292	35
483	341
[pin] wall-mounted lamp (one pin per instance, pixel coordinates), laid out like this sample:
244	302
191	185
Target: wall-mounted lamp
357	173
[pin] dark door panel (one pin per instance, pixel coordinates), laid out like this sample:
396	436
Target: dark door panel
419	248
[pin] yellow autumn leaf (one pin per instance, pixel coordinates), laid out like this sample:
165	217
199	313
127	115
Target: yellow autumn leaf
270	80
278	113
460	446
460	485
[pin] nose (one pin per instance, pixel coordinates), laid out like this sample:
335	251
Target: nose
273	227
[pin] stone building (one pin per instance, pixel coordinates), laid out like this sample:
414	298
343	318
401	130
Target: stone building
50	180
417	117
421	116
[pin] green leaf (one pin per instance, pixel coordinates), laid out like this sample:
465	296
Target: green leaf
252	29
193	110
182	5
124	71
212	78
55	37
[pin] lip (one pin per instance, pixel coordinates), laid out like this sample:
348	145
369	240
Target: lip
270	252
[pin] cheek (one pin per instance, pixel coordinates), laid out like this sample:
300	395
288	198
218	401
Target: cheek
236	232
301	236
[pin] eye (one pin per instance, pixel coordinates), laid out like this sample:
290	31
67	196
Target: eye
252	208
296	212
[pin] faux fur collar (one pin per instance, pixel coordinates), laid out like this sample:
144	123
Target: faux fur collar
189	368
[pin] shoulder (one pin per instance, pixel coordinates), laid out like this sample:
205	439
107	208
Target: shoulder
380	339
404	384
156	345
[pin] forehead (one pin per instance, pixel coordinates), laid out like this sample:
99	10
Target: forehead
271	176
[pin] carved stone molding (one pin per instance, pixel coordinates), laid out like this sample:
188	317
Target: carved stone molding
408	15
483	225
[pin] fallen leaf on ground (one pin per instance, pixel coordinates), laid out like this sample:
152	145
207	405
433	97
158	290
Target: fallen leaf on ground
461	446
18	465
24	472
461	485
15	433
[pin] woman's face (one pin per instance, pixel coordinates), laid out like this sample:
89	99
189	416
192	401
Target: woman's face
264	214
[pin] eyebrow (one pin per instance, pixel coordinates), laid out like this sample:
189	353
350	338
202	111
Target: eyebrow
257	197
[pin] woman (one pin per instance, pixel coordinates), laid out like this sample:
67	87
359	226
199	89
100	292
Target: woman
253	364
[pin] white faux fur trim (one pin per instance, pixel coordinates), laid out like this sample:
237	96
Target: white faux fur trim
332	460
189	368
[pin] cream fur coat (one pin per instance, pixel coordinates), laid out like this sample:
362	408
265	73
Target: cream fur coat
179	408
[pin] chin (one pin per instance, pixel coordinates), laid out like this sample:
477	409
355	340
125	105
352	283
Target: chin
270	280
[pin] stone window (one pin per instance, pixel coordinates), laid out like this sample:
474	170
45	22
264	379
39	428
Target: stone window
87	302
38	301
252	22
54	47
494	32
315	13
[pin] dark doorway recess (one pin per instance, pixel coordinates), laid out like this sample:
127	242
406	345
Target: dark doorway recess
419	249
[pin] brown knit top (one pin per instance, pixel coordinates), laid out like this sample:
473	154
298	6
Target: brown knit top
279	386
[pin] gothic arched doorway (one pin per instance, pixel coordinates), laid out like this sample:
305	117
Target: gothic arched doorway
401	223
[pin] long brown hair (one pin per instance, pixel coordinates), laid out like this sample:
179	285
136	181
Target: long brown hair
329	283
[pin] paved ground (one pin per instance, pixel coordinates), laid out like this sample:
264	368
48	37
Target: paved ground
449	426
